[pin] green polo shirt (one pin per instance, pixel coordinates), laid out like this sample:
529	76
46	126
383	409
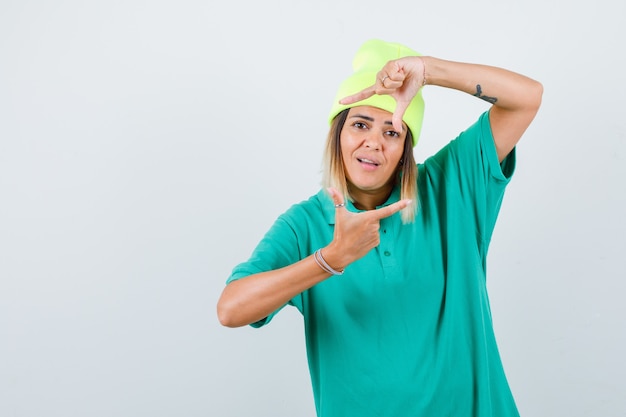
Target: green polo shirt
406	331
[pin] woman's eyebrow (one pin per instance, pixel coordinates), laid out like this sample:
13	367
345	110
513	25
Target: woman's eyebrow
369	119
360	116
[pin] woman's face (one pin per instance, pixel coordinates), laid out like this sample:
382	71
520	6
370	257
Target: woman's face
371	151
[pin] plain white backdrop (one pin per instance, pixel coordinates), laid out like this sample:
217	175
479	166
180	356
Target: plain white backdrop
146	146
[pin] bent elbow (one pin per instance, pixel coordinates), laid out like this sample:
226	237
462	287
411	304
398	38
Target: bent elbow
537	95
225	316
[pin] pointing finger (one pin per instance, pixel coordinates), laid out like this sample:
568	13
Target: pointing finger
361	95
391	209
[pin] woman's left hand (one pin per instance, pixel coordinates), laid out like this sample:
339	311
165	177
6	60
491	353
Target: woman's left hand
401	79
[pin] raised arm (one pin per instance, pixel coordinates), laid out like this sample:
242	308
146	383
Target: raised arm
515	97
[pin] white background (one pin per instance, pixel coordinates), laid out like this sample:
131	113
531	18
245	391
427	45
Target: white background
146	146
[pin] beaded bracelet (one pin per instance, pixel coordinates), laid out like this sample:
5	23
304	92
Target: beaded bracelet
321	262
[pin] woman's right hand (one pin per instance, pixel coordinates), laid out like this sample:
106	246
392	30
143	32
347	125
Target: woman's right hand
355	233
254	297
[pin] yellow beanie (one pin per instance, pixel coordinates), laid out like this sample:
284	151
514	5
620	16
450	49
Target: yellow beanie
369	59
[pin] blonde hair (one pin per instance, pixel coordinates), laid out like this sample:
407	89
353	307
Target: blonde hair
334	174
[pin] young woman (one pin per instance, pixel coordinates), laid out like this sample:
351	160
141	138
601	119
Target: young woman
387	263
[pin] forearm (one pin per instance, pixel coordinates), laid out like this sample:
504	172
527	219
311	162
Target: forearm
250	299
253	298
503	88
515	97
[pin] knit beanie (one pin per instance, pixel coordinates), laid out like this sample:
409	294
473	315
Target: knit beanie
368	61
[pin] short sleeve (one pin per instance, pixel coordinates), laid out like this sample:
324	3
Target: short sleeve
277	249
473	176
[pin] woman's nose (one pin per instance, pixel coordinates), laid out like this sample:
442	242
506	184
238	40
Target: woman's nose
372	142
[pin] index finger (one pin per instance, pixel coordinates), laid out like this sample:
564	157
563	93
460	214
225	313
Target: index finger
361	95
387	211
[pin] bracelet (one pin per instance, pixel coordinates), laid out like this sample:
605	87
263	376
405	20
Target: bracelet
321	262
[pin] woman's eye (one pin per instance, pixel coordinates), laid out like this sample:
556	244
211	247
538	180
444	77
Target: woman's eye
393	134
359	125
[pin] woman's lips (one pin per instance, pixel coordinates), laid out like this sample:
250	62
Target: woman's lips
368	161
368	164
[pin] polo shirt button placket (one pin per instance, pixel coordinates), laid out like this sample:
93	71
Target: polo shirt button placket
386	247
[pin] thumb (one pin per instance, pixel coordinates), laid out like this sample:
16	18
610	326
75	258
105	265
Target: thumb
398	114
391	209
337	197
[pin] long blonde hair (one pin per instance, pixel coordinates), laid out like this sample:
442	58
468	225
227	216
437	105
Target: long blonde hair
334	174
